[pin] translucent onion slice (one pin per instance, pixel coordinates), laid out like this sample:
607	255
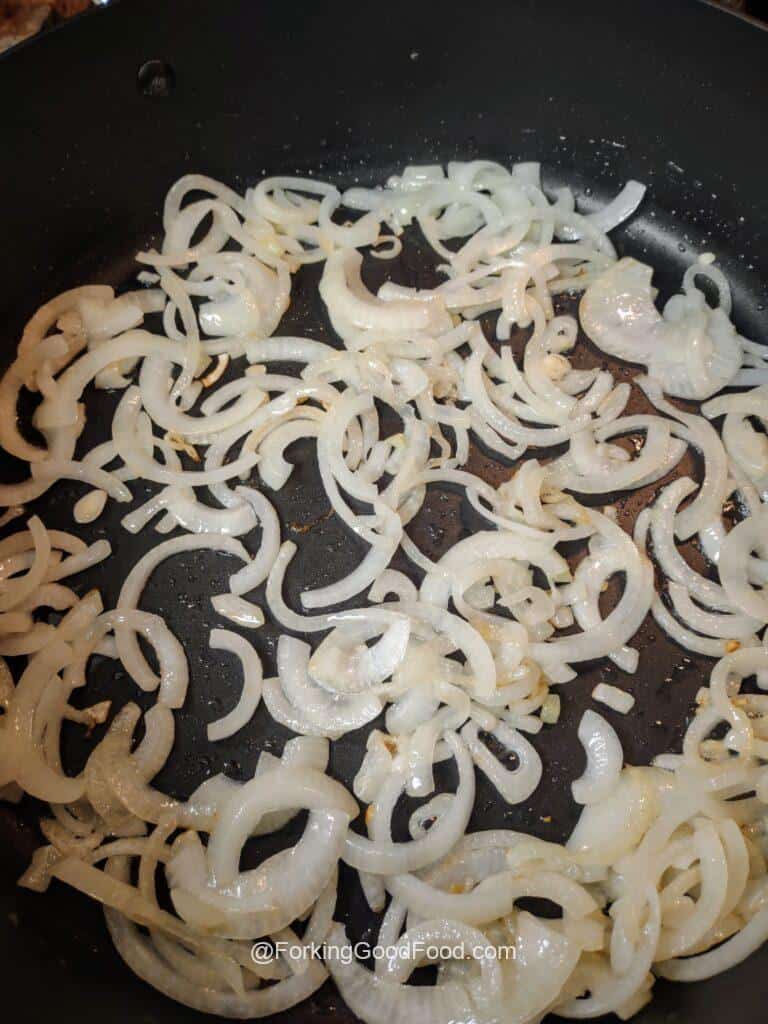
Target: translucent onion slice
605	759
138	953
244	710
514	785
378	1001
328	713
383	856
744	539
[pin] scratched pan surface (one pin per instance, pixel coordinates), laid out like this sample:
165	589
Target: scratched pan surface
671	93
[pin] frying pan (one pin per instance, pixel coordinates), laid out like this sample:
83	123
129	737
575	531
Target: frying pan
102	115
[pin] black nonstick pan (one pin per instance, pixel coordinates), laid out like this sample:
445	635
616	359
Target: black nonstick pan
101	116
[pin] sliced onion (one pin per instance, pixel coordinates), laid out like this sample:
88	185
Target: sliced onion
748	536
239	611
605	759
244	710
515	785
378	1001
382	856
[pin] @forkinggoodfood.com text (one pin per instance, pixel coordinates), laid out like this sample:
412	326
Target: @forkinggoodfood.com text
416	952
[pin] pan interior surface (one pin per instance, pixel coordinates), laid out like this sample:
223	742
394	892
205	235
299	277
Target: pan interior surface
672	95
